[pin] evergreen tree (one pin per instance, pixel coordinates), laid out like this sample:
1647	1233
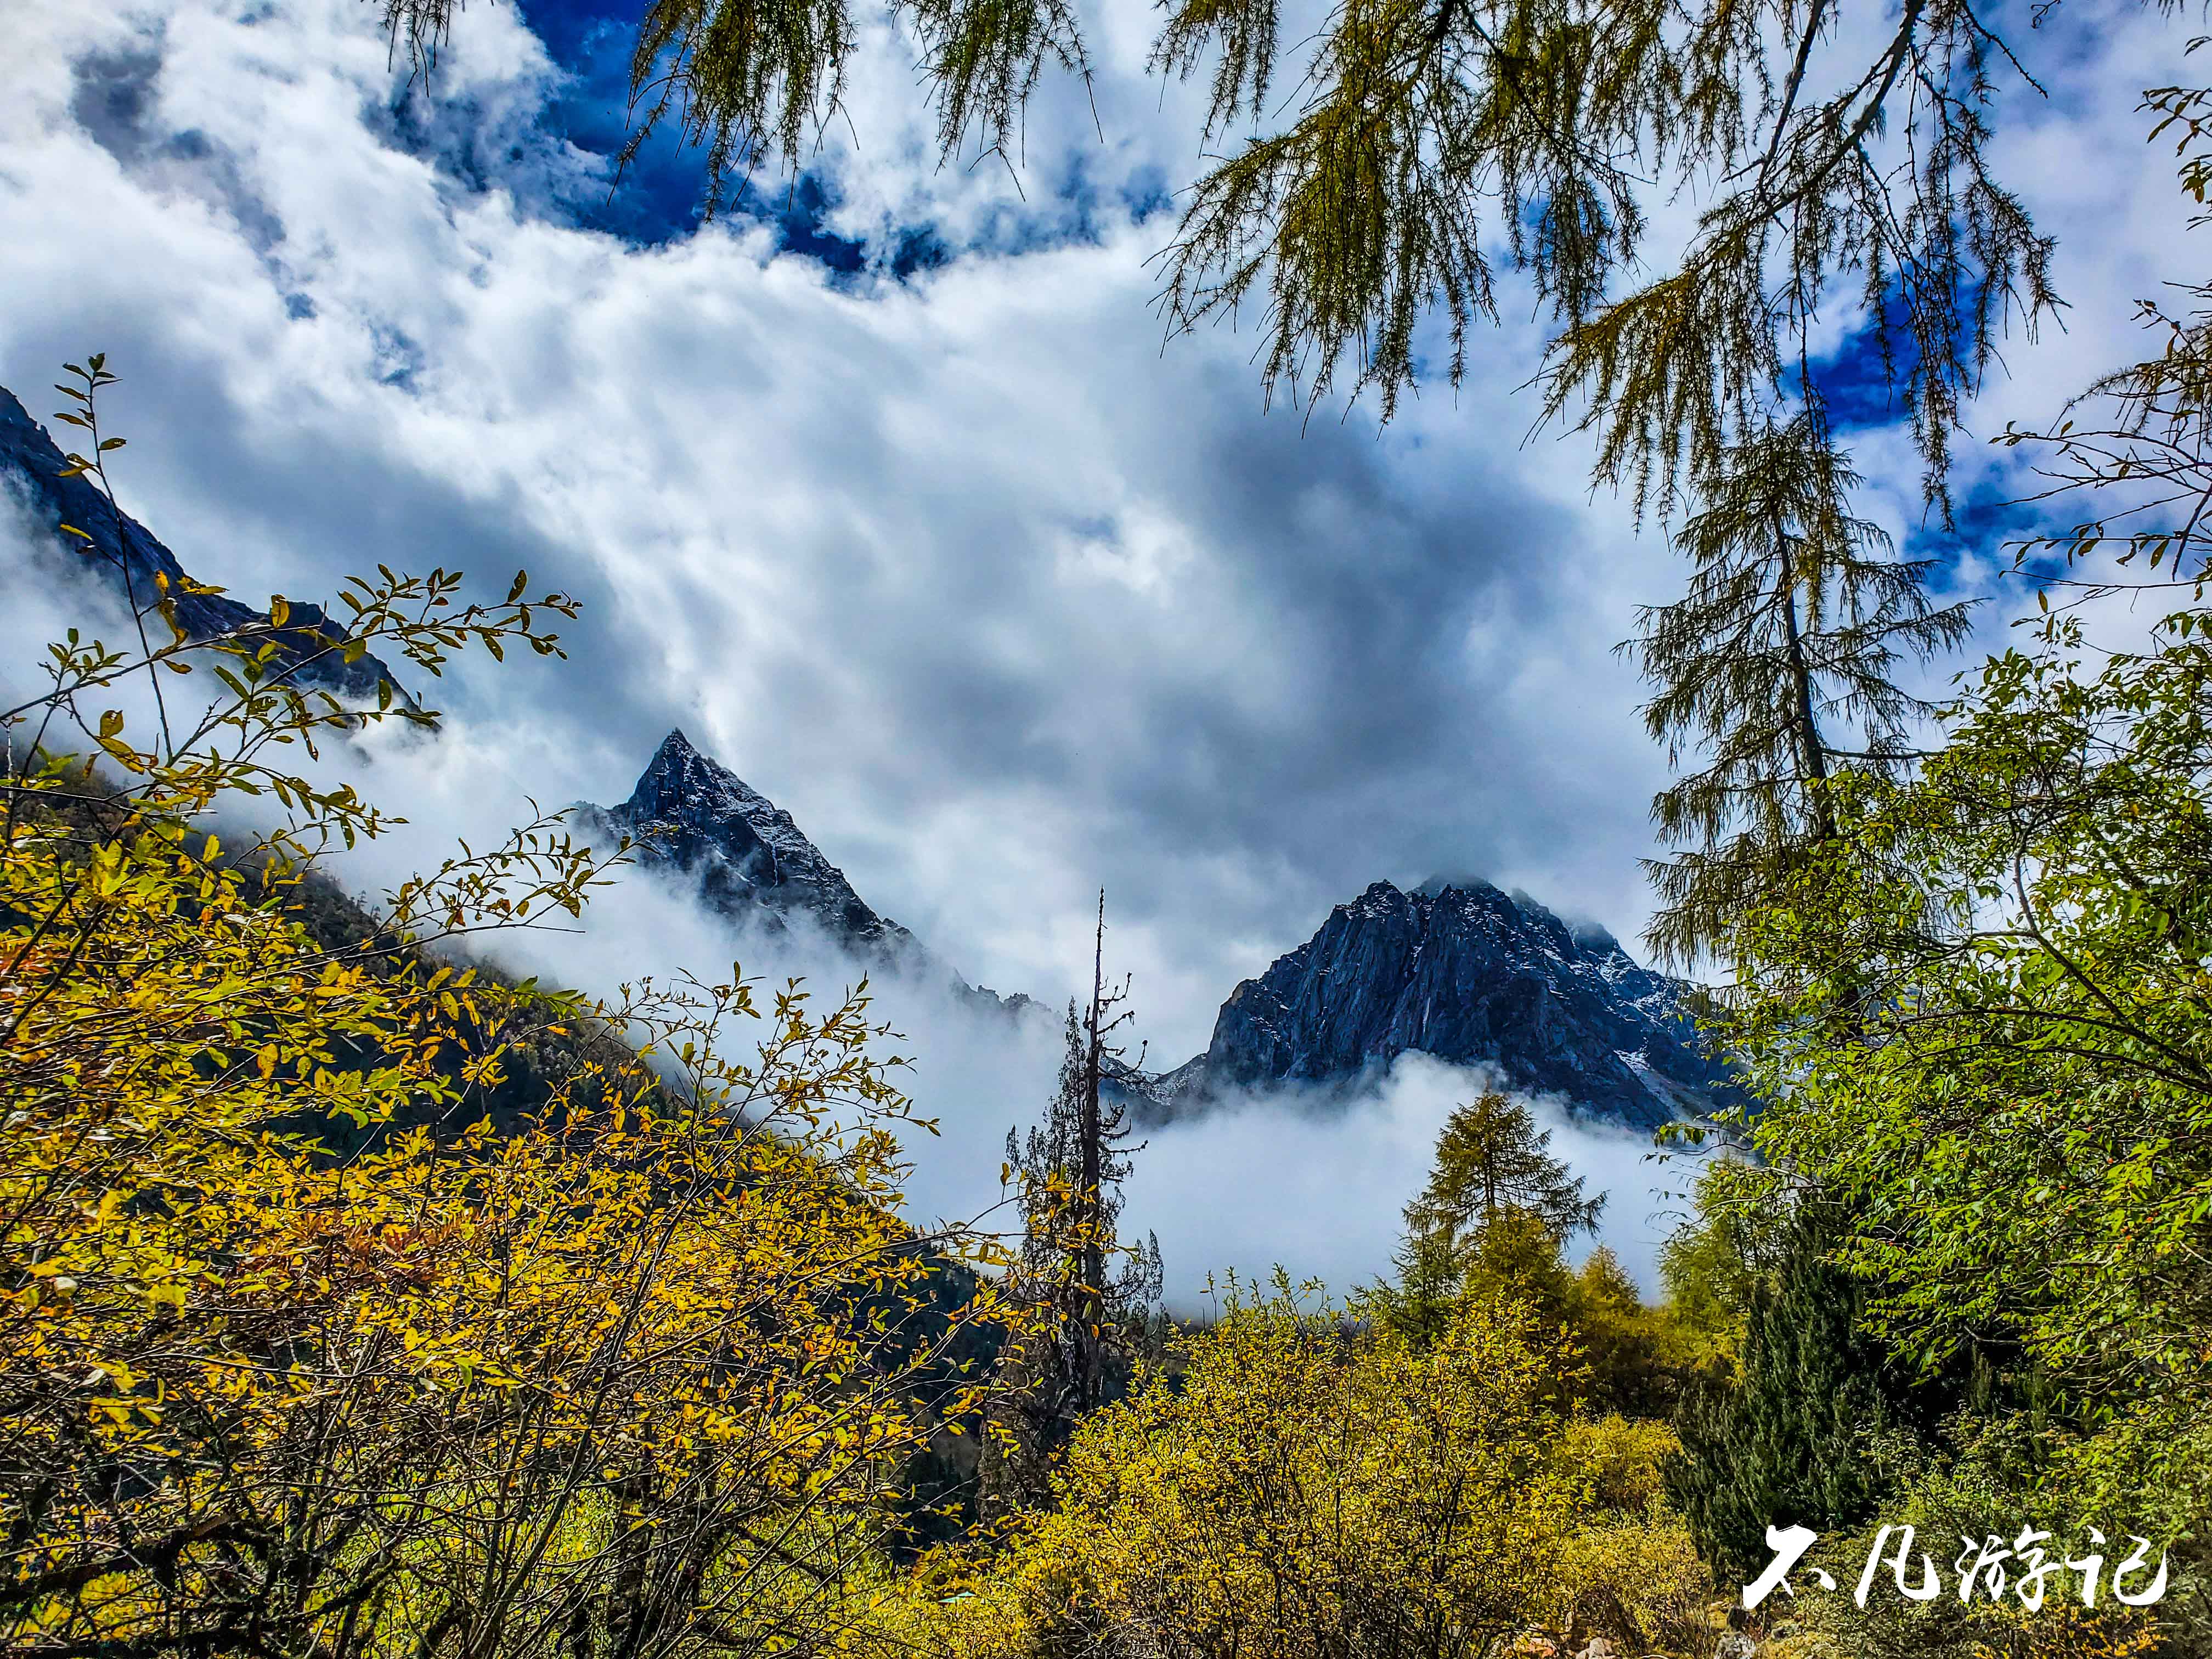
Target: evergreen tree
1781	660
1492	1224
1491	1157
1491	1220
1088	1294
1430	1281
1783	1442
1637	1355
1514	1253
1785	1439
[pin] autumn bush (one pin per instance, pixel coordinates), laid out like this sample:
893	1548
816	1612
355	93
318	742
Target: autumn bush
1636	1579
1305	1489
632	1377
1629	1569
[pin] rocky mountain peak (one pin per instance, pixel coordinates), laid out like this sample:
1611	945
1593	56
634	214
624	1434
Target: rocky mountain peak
691	812
1468	973
692	815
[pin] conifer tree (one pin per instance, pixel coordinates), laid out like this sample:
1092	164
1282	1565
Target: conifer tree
1495	1210
1089	1295
1784	1441
1429	1277
1781	660
1490	1157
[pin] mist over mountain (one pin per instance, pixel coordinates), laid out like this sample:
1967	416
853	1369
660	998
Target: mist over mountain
692	815
139	567
1466	974
1456	970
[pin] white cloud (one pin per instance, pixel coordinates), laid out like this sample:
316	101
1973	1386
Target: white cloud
1270	1179
830	531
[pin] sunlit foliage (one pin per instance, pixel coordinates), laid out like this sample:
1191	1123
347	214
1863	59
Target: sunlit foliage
1298	1492
633	1376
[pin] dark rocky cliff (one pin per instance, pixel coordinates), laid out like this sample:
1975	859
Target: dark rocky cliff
1463	972
128	556
1468	973
691	813
752	863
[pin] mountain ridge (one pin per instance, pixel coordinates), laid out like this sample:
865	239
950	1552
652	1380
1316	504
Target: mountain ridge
31	468
690	815
1458	970
1468	973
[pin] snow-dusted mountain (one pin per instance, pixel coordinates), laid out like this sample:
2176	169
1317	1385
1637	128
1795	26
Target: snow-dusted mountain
691	812
753	864
1461	971
1465	973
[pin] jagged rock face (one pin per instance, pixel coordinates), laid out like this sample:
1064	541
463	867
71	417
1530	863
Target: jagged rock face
30	465
1466	974
755	864
692	813
1463	972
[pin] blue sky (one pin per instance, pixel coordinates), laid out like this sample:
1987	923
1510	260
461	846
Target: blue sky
662	194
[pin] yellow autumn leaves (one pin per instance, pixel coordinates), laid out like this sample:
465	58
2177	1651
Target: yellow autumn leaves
1310	1483
353	1302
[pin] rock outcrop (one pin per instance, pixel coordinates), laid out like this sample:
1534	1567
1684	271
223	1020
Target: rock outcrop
691	814
1469	974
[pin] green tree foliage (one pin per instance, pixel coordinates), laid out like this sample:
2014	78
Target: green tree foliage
1780	665
1637	1354
1711	1265
1490	1157
2026	1113
1785	1439
1491	1227
1498	1202
1975	1017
